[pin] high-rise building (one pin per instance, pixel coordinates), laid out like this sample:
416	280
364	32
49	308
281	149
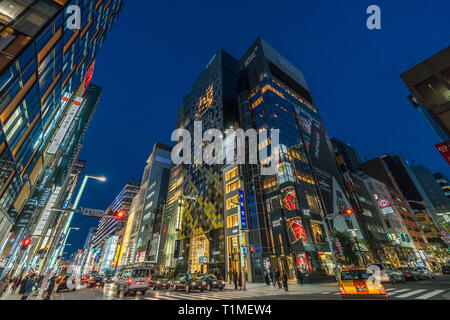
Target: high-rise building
348	153
108	238
283	214
429	83
46	66
432	188
154	185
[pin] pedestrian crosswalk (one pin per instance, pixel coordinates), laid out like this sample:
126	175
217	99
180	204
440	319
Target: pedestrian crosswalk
214	295
396	293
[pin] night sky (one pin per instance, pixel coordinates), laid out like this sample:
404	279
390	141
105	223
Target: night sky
156	50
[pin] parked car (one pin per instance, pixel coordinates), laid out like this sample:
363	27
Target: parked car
96	282
133	279
425	272
446	269
188	282
212	282
411	274
389	274
159	282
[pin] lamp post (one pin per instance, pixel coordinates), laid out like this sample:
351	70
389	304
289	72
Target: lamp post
66	229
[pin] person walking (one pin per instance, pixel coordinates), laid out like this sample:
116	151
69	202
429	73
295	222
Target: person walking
16	284
240	281
230	276
266	278
271	277
4	283
285	281
300	277
50	289
278	278
235	279
28	287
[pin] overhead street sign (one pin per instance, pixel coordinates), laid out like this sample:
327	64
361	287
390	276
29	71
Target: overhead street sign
93	213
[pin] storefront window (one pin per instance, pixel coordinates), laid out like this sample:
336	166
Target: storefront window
317	233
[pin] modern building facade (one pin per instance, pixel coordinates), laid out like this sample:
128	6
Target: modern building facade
348	153
45	69
444	182
429	83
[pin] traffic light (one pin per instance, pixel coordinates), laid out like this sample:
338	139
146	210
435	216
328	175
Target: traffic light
120	214
25	243
348	211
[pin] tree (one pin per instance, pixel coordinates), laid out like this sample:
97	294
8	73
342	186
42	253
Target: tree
348	245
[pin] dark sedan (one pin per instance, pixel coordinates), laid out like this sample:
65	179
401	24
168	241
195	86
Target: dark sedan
159	282
96	282
211	282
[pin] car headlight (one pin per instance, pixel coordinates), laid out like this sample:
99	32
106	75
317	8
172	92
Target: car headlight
194	283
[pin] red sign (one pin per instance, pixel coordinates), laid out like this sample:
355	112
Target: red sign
444	149
444	233
384	203
88	77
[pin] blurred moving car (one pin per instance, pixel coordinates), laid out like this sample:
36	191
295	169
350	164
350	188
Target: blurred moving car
159	282
211	282
62	282
133	279
425	273
96	282
358	283
446	269
410	273
389	274
188	282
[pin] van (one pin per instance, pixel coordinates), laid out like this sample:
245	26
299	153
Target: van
132	280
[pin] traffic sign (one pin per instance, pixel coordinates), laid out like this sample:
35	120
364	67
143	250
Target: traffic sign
244	249
383	203
444	233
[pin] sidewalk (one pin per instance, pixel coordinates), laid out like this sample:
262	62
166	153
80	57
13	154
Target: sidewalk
307	288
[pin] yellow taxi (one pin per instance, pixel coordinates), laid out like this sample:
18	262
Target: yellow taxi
358	283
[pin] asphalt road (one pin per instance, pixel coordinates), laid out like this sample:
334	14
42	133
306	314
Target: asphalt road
438	289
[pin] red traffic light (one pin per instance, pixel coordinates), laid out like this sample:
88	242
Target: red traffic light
349	211
120	214
26	242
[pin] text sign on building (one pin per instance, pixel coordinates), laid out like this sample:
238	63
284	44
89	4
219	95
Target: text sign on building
242	205
57	140
444	149
46	213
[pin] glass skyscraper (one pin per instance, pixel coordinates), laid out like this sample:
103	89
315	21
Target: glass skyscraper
46	66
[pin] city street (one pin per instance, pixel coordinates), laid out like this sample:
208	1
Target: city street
437	289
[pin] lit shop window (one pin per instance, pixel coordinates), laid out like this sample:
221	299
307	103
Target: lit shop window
270	182
234	185
317	232
232	221
230	202
231	174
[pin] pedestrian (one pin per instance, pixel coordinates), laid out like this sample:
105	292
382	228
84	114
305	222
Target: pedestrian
266	278
29	283
271	277
300	277
22	285
230	276
16	284
240	281
278	278
3	286
285	281
50	289
235	279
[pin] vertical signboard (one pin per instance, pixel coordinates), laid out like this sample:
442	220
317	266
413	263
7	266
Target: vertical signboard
242	205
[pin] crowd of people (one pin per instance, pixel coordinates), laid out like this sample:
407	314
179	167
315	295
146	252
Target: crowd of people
28	285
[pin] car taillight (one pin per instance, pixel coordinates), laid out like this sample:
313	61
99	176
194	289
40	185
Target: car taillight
383	291
149	279
129	281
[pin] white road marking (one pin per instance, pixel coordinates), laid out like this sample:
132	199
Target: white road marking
430	294
326	292
391	289
400	291
411	293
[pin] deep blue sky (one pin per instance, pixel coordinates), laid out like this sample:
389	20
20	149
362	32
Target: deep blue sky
157	48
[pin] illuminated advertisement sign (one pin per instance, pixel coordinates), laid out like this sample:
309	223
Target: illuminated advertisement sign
296	230
46	213
289	197
88	77
57	140
241	202
444	149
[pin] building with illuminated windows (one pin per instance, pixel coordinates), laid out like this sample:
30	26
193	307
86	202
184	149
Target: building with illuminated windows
45	70
282	215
